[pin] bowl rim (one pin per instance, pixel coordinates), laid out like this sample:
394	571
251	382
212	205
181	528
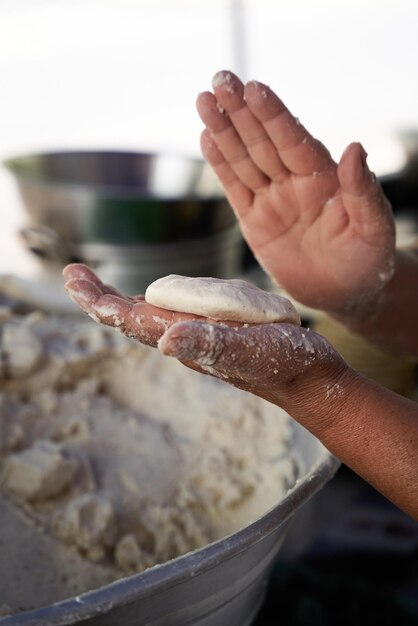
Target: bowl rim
16	166
171	573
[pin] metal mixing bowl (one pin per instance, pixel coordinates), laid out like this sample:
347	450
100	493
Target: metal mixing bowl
223	583
132	216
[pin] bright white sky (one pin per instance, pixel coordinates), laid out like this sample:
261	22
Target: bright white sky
125	73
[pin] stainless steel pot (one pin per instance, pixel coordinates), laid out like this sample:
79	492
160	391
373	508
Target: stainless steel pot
221	584
137	216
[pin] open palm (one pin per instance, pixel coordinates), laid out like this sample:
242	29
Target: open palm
323	232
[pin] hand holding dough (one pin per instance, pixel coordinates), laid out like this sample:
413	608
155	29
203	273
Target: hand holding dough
261	357
131	315
234	302
287	365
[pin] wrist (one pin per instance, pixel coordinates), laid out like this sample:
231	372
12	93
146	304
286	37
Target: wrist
362	311
320	399
388	319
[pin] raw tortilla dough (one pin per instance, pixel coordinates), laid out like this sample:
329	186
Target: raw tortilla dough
233	300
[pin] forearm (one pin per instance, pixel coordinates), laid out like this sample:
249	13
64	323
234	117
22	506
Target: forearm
390	320
370	429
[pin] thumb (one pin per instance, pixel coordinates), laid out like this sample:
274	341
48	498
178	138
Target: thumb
258	356
368	208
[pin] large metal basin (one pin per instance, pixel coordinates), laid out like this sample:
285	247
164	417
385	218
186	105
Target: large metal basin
222	584
133	216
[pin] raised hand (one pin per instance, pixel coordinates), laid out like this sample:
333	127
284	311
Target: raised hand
323	231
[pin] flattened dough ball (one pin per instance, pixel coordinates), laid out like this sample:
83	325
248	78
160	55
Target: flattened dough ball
232	300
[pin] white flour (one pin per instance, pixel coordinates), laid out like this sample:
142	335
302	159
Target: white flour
126	457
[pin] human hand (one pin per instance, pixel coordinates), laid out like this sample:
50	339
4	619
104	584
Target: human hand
283	363
131	315
290	366
323	231
369	428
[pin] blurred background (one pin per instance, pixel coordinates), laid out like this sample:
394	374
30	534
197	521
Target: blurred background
107	74
125	73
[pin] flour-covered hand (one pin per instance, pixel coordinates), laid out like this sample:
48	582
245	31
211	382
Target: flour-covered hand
324	231
131	315
283	363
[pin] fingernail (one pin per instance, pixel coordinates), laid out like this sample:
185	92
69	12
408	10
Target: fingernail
195	341
255	83
178	347
70	267
82	292
223	79
199	96
261	89
363	156
220	78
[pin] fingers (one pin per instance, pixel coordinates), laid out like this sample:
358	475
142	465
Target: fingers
132	316
229	142
299	151
368	209
238	194
354	175
101	306
229	93
81	271
252	124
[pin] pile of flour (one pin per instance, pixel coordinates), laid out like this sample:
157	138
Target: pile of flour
114	458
